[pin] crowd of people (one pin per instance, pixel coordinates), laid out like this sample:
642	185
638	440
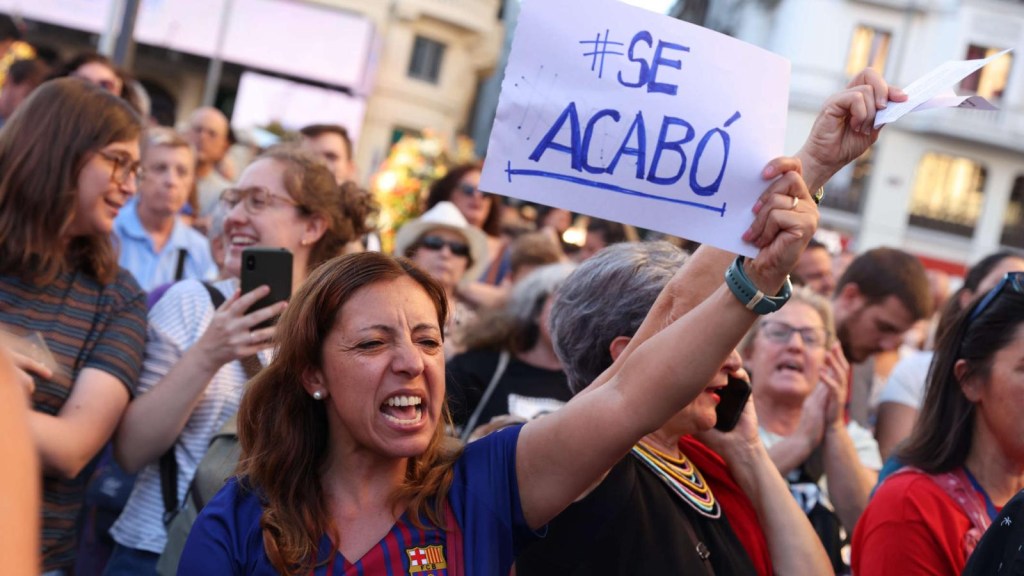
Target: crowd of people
487	399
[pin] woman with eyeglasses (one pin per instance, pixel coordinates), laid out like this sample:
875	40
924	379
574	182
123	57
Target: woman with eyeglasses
799	380
965	458
69	156
449	249
195	370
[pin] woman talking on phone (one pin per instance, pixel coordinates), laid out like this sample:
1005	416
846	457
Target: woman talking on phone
199	356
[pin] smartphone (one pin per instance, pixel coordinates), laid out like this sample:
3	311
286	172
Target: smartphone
271	267
734	398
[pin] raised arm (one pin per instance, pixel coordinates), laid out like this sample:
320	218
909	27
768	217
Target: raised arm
844	129
173	380
661	375
695	281
794	546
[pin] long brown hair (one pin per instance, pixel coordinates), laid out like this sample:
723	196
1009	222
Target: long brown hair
281	428
345	207
43	149
941	439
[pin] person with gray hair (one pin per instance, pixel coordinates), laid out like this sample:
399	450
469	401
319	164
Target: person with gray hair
608	297
680	512
510	368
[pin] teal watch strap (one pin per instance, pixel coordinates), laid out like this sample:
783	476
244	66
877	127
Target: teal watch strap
749	295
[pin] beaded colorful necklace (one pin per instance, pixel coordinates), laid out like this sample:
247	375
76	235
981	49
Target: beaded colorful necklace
682	477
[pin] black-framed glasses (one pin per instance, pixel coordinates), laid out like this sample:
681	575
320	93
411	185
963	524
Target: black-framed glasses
437	243
256	199
124	169
1013	281
781	332
470	190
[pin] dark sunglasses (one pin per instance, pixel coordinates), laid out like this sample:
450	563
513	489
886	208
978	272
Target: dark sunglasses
1013	281
470	190
437	243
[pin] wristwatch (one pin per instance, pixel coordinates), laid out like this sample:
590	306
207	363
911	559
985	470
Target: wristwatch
818	196
749	295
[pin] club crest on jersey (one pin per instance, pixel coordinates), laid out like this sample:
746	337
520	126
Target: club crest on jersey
427	561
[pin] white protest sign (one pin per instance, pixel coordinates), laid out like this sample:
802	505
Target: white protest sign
934	90
616	112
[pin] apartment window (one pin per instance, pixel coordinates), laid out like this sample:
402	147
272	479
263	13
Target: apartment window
990	81
425	63
948	194
1013	221
846	190
869	48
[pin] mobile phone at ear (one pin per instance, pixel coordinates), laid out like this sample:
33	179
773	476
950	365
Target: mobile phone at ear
733	399
271	267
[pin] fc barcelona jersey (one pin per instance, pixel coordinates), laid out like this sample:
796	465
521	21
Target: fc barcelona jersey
485	520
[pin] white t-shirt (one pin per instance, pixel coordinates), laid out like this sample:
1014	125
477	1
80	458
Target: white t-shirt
907	381
176	322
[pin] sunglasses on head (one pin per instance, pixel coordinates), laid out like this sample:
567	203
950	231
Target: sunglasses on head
1013	281
437	243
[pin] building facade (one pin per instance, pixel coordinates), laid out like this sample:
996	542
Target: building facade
385	68
947	185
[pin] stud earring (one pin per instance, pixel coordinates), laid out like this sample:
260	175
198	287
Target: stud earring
318	395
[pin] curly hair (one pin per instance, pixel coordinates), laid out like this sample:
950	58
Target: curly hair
281	428
345	208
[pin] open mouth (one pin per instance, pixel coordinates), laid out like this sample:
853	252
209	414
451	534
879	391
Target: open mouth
790	366
238	240
403	410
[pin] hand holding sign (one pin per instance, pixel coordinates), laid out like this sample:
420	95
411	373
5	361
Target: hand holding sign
619	113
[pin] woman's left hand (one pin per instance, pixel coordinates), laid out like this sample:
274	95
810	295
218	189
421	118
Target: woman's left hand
785	219
834	375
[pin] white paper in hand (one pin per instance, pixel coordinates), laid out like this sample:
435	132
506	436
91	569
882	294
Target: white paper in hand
934	90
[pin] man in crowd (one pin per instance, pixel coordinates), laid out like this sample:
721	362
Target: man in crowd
814	269
208	133
332	143
880	296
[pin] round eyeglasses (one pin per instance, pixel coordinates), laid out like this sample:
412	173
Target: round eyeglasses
256	199
780	332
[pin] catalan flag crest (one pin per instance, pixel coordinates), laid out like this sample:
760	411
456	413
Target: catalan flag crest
427	561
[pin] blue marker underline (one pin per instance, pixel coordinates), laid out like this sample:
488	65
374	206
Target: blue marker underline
611	188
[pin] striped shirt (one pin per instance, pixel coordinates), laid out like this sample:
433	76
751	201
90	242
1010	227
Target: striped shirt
176	323
85	325
486	527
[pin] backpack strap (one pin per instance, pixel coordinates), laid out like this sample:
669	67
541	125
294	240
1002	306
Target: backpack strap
499	371
169	462
179	270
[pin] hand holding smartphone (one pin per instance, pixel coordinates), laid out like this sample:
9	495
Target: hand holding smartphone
733	399
271	267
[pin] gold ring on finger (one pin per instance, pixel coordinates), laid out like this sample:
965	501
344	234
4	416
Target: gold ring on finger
795	202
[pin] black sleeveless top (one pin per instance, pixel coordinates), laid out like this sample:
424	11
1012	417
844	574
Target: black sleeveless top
634	524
